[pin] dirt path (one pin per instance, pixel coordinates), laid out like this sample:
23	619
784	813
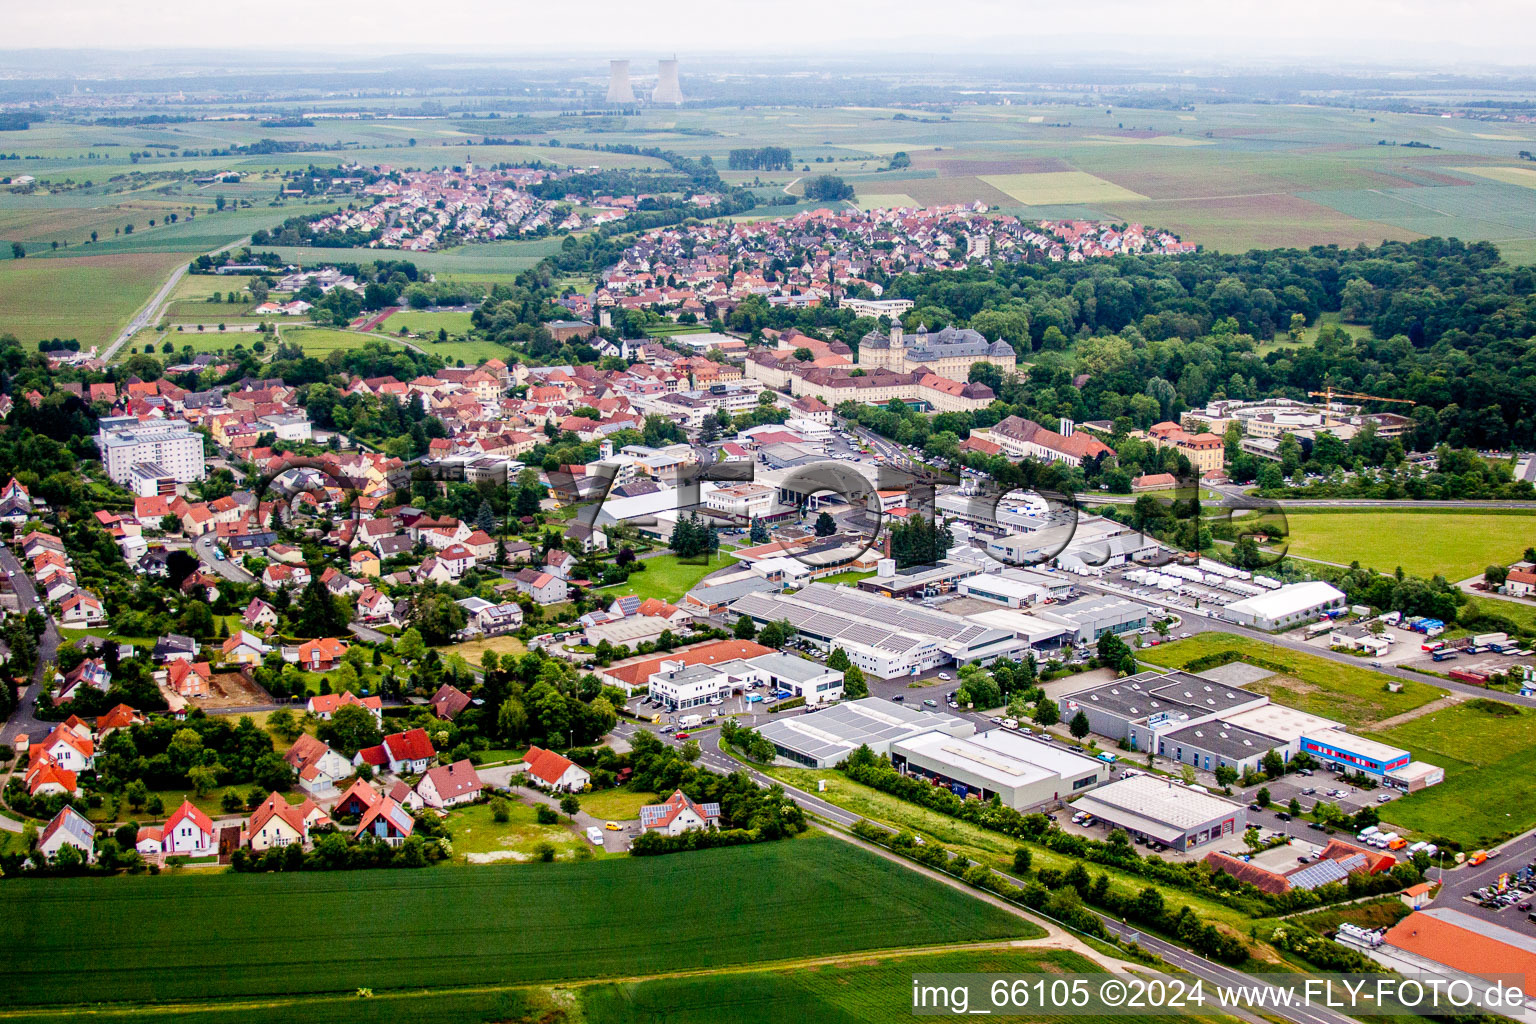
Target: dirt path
1418	712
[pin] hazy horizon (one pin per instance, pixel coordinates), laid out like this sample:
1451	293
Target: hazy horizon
1499	33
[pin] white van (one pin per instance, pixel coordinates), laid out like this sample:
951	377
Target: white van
595	835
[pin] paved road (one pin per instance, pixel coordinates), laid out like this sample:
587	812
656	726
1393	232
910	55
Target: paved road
22	719
205	546
1459	883
151	312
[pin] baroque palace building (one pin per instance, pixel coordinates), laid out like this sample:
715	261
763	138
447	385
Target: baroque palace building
946	353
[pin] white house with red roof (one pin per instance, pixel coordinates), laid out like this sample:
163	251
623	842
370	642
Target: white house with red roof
321	655
324	705
67	747
450	785
188	830
259	614
457	559
677	814
45	776
80	608
409	752
555	772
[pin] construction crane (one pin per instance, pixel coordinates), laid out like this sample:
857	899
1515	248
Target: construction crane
1329	394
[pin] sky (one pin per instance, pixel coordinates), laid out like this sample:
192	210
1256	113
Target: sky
1499	32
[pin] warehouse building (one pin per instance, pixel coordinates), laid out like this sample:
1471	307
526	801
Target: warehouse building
1021	772
1216	744
1289	606
1165	812
826	738
1004	589
884	638
1288	725
919	580
1140	709
1355	753
1091	617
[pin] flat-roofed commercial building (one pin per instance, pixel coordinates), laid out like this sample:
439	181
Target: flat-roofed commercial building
1285	724
1167	813
883	637
1091	617
1356	753
1021	772
1218	744
1140	709
829	736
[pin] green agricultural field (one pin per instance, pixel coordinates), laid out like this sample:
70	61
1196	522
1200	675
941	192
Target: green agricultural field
1346	693
91	298
422	1006
1455	545
465	926
318	341
666	577
869	989
1489	793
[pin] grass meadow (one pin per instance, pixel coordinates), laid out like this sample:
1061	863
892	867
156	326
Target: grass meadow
1489	792
1455	545
666	577
1343	692
236	937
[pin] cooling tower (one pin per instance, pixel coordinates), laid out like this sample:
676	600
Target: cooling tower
619	90
667	88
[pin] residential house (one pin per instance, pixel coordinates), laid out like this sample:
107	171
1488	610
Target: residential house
554	772
244	649
120	717
318	767
386	821
46	777
278	575
374	605
189	678
67	747
365	563
175	647
276	822
543	587
68	828
324	705
677	814
409	752
339	584
486	618
450	785
188	831
321	655
92	672
81	608
448	701
259	614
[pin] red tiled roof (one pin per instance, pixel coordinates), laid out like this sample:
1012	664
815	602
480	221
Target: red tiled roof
1437	935
704	654
411	745
546	764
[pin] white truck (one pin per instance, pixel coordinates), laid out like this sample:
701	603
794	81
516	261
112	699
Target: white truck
690	721
595	835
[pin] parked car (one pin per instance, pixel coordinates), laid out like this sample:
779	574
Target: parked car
930	703
944	675
613	826
899	697
682	735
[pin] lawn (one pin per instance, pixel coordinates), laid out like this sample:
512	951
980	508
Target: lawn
667	577
1522	615
617	804
318	341
478	836
1346	693
1489	792
473	650
1455	545
456	926
90	298
851	577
